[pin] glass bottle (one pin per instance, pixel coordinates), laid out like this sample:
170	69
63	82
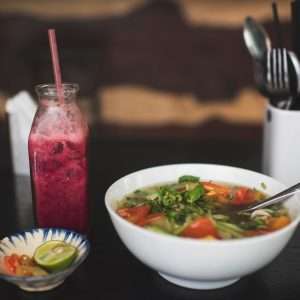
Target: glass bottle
58	160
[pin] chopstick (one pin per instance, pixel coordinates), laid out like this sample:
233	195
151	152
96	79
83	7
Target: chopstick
277	25
295	11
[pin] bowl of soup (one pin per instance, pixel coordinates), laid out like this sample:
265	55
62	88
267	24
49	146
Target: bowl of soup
183	221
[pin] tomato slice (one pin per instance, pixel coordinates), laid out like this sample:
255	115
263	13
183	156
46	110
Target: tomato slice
218	188
134	215
278	222
151	219
200	228
8	267
11	263
243	196
219	192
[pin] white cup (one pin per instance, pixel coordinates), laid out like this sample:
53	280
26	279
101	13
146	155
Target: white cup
281	145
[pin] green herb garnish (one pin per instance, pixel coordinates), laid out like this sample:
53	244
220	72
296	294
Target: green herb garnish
195	194
188	178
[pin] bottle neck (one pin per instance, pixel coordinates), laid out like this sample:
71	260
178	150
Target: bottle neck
48	94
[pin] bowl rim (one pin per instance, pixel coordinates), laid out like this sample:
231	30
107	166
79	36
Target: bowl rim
173	238
50	276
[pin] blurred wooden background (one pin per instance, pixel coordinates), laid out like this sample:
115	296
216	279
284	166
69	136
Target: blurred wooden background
141	64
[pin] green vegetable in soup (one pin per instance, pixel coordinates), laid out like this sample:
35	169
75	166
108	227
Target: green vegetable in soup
194	194
188	178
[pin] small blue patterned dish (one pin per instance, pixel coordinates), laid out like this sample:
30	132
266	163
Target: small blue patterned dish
26	243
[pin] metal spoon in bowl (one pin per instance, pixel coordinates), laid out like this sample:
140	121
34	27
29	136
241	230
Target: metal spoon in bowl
284	195
256	38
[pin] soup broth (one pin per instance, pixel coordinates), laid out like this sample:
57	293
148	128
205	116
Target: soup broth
201	209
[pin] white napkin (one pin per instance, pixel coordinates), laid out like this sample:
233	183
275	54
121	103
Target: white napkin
21	109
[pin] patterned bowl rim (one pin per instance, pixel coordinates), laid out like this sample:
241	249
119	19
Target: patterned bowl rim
85	242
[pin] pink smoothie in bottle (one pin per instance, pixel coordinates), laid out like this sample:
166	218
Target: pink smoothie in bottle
58	160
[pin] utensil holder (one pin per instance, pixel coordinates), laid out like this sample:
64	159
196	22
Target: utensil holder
281	144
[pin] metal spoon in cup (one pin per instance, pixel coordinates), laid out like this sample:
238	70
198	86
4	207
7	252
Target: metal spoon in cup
256	39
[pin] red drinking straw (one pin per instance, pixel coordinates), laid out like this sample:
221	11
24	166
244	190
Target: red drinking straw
55	64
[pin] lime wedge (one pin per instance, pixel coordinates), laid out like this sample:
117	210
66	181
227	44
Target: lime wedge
55	255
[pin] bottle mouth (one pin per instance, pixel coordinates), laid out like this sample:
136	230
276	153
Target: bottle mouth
49	90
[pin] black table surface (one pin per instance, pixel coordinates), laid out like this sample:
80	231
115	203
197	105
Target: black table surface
110	271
